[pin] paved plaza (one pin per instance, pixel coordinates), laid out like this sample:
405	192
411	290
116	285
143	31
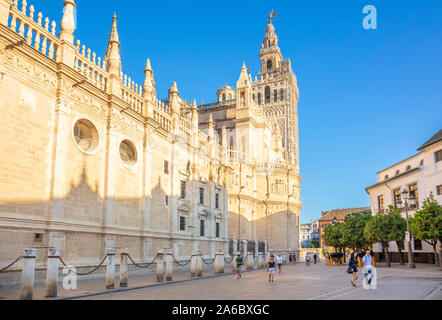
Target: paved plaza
295	282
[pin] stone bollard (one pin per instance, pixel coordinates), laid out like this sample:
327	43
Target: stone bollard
199	266
249	261
193	263
28	274
123	267
160	265
110	269
169	265
260	261
52	273
219	262
234	265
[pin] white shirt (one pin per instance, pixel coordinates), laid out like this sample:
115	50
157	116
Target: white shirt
279	260
367	260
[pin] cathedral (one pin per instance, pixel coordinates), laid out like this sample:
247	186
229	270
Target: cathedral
92	160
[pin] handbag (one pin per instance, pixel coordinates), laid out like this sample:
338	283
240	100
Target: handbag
349	269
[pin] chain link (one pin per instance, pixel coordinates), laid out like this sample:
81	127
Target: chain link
11	264
182	264
227	260
86	273
207	262
147	265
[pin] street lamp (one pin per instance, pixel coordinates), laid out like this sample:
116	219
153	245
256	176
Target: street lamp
412	200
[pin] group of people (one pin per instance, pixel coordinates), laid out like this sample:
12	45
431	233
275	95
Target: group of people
366	264
273	263
308	258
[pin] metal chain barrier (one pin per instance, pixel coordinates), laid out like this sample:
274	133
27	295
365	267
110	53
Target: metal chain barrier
227	260
147	265
10	265
182	264
85	273
213	260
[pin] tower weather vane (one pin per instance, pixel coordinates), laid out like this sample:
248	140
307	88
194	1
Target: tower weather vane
271	16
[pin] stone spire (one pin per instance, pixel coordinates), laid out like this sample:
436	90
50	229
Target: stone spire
270	53
243	77
173	99
112	58
149	91
67	24
194	124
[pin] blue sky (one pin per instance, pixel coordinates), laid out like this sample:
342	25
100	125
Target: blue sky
368	98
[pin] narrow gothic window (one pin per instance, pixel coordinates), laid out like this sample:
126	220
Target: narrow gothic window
183	223
269	65
183	189
217	201
275	95
259	98
224	97
217	229
202	228
267	95
201	195
281	94
166	167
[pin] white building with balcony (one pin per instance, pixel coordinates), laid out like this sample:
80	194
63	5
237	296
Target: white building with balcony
309	233
420	175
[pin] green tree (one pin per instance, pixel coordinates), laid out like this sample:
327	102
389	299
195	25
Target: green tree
427	224
353	230
315	244
403	226
385	228
333	236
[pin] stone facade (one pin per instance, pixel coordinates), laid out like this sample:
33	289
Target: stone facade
420	175
90	160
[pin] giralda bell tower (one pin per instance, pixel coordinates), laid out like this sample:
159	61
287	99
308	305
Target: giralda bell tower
276	91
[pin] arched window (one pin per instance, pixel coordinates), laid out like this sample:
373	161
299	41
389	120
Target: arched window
397	172
281	95
224	97
421	163
408	168
275	95
267	94
386	177
269	65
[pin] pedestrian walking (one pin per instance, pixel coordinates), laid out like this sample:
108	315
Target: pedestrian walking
271	268
294	258
291	258
315	258
307	260
367	263
279	261
239	263
352	269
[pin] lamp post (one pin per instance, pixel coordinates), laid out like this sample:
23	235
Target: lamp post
407	198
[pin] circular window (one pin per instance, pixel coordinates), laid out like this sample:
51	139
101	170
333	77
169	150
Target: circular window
85	135
127	152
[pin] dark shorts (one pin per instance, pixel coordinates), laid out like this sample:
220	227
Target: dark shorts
279	264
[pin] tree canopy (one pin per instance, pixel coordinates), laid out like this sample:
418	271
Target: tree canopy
427	223
383	228
332	235
353	230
